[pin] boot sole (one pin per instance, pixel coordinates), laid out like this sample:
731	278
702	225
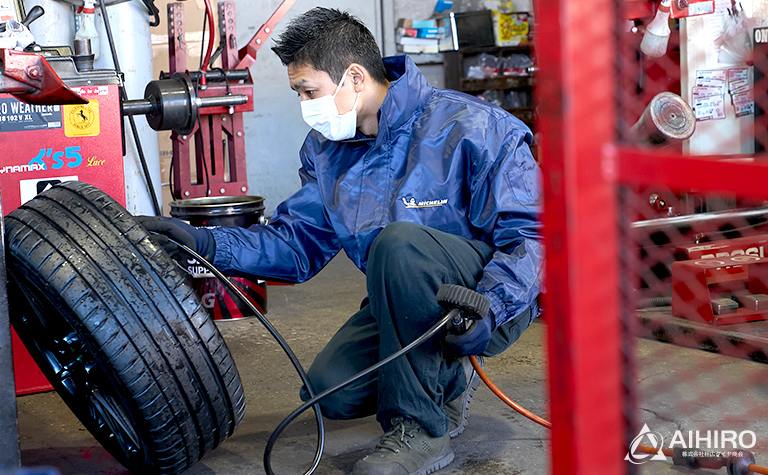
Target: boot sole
438	464
474	383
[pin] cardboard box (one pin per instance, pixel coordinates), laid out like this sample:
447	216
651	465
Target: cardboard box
420	32
411	23
511	29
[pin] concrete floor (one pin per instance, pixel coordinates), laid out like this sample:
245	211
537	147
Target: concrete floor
497	440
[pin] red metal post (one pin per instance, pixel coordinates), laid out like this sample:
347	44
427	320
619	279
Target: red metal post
575	49
248	52
228	35
708	173
177	45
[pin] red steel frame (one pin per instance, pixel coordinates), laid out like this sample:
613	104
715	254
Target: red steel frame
216	122
576	49
213	162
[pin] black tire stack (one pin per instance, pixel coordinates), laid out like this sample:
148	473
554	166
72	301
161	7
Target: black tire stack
118	330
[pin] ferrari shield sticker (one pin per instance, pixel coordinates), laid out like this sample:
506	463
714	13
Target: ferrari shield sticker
82	120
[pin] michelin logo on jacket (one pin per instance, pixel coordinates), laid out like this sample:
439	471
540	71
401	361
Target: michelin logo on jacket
412	203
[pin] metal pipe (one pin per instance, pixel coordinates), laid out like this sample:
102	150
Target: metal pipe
701	218
222	101
215	75
132	46
10	453
138	107
169	102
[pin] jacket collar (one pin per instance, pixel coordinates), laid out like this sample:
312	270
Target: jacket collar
408	92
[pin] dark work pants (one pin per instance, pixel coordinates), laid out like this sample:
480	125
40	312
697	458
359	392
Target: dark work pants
406	266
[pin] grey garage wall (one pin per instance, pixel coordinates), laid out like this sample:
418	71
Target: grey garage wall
275	130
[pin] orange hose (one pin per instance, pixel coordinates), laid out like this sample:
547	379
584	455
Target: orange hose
520	409
543	422
651	450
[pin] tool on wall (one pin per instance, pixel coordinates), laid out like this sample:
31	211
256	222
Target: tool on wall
667	120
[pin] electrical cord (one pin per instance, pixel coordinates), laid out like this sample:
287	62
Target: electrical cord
153	10
170	180
314	400
199	122
495	390
202	42
123	98
226	81
205	163
216	52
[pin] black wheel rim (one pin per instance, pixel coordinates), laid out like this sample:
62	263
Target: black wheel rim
77	375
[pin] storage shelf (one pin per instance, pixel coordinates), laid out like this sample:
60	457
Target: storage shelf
495	50
523	113
455	62
499	82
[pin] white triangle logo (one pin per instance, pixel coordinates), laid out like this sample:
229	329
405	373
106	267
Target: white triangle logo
647	439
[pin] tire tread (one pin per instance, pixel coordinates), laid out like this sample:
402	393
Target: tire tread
129	299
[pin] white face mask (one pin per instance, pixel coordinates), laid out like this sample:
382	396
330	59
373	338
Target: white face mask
322	115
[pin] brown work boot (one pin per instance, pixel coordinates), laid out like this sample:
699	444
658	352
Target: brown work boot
458	409
406	449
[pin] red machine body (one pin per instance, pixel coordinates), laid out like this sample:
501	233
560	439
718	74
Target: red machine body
746	246
46	144
699	285
43	145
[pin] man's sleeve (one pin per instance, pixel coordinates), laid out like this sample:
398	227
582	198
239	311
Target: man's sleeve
506	205
297	243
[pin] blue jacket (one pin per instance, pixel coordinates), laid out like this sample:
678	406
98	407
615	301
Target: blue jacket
442	159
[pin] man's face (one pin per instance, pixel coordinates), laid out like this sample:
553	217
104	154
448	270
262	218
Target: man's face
310	84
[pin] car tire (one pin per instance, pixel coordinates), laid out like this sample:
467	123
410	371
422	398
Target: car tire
118	331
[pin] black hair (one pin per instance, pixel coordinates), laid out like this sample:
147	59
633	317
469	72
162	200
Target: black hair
330	40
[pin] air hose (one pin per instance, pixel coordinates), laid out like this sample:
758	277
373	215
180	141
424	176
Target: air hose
736	465
314	399
280	340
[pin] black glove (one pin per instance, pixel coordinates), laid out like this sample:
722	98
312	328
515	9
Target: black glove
199	240
473	341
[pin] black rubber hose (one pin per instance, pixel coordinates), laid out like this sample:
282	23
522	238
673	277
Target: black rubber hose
124	97
280	340
314	399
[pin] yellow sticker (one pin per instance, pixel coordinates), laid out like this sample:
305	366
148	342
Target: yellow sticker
82	120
